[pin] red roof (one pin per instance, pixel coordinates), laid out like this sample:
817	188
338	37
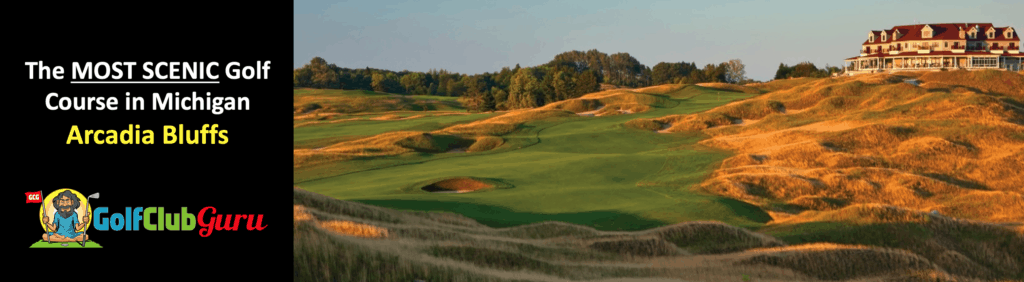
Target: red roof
948	31
934	53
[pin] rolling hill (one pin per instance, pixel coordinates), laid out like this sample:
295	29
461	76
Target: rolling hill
865	178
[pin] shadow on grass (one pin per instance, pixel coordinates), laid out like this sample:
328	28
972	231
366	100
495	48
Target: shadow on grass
502	217
745	210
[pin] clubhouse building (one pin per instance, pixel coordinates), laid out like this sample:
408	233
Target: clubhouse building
951	46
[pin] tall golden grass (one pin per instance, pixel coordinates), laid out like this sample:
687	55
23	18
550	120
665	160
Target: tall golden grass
836	262
434	246
341	227
875	139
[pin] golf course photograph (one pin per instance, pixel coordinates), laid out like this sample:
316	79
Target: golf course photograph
465	141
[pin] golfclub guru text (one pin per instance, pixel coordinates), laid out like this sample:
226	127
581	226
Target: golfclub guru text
134	219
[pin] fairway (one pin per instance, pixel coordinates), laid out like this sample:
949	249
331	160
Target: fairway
585	170
308	135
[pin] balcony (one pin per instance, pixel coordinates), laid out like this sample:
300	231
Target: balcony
924	51
997	51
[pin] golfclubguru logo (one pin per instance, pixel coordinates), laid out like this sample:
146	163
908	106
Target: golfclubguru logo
65	217
156	219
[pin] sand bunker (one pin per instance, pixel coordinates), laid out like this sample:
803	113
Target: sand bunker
591	113
457	150
457	185
664	128
743	122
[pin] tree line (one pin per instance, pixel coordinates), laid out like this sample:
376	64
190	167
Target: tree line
804	69
569	75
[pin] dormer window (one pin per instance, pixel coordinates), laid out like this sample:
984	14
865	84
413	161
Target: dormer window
1008	33
926	32
884	35
991	33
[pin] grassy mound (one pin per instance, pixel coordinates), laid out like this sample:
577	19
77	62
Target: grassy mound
960	247
780	84
426	142
386	144
725	115
575	105
994	82
660	89
506	123
828	143
615	102
731	87
691	122
714	238
645	124
833	262
485	143
751	109
405	246
308	100
651	247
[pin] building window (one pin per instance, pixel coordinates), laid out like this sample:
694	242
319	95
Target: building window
947	44
984	62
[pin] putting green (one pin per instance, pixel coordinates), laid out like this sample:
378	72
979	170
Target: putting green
586	170
70	245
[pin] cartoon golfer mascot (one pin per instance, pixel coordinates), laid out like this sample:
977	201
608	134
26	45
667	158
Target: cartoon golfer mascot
64	223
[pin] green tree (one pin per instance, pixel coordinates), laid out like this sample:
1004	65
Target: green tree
735	71
523	91
302	77
500	98
318	74
385	82
563	85
487	102
782	72
414	83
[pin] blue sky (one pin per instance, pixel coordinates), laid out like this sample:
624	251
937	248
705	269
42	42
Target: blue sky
484	36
